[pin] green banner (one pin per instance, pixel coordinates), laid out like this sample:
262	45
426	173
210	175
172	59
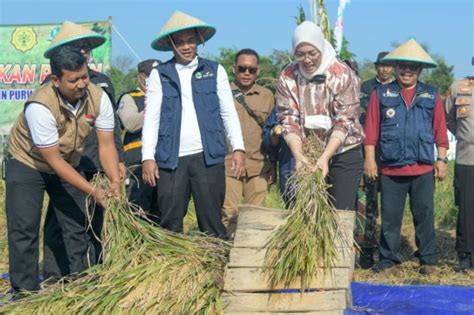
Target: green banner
23	67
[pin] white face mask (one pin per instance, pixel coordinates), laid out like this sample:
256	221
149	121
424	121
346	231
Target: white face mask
317	122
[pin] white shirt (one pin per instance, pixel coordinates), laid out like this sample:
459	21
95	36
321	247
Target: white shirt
190	136
44	128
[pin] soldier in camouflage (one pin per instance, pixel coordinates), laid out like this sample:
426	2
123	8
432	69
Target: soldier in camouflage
367	197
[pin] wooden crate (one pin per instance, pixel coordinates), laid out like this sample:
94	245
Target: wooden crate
246	290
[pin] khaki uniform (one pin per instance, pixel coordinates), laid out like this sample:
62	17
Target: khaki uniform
72	130
460	119
29	176
253	185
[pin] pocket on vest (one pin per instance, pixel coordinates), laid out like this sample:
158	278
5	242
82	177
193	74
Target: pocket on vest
390	148
164	143
426	147
216	143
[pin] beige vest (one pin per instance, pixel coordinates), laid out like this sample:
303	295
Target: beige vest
72	129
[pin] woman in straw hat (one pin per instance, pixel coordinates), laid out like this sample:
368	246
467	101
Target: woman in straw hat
189	110
318	94
55	260
406	119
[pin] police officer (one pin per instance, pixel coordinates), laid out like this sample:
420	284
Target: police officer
460	119
130	112
55	260
405	119
368	212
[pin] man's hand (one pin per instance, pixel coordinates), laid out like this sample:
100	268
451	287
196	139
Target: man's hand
150	172
115	189
238	163
275	134
370	169
99	196
441	170
122	171
272	174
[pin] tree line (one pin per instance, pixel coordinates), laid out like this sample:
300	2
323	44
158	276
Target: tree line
123	72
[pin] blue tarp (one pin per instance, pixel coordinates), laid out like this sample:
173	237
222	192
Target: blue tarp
370	298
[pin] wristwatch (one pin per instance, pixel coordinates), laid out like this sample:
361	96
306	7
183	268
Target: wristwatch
445	159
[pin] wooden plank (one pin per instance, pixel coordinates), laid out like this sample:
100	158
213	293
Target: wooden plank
251	238
253	280
281	302
251	216
254	218
254	257
256	238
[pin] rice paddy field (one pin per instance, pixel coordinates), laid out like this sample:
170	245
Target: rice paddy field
408	272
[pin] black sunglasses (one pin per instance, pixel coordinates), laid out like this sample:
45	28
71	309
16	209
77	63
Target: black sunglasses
242	69
409	66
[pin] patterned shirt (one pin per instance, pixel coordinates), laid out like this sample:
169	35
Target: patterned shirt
336	98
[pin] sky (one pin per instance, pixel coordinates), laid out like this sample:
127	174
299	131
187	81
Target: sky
370	26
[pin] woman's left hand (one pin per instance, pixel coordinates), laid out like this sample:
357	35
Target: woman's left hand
323	165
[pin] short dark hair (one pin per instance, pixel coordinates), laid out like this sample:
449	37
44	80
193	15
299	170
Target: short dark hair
247	51
66	57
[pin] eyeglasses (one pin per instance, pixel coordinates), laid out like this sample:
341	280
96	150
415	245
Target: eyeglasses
243	69
409	66
314	54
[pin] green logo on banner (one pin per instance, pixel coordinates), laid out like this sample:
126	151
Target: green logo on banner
24	38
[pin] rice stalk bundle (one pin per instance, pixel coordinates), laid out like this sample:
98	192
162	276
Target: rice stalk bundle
145	269
307	241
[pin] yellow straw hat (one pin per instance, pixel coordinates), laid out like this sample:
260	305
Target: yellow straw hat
411	51
180	21
71	32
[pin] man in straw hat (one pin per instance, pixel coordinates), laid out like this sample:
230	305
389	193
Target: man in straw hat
45	149
405	119
189	110
55	258
131	112
368	212
460	118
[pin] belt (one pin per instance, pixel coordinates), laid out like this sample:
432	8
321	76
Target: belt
132	145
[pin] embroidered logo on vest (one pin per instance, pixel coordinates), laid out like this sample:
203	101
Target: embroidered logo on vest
199	75
426	95
390	113
389	93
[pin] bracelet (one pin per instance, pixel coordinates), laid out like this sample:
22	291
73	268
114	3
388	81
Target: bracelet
445	159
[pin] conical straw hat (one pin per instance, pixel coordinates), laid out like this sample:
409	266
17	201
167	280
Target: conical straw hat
178	22
71	32
413	52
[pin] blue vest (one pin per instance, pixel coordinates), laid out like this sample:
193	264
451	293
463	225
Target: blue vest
206	103
406	134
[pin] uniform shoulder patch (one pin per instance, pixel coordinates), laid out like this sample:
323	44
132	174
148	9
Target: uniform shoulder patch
427	95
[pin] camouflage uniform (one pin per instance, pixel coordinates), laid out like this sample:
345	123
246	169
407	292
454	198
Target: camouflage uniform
367	196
